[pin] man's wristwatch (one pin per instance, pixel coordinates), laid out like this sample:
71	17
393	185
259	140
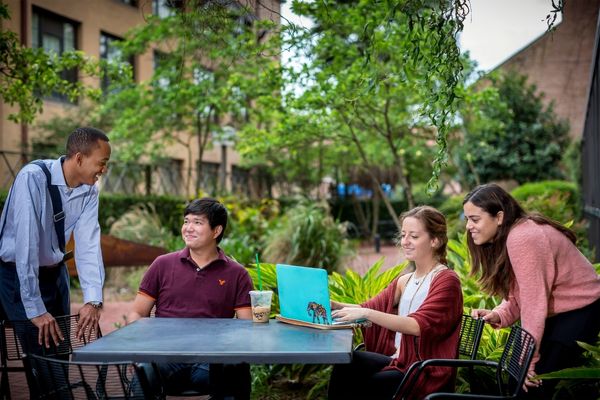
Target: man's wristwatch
95	304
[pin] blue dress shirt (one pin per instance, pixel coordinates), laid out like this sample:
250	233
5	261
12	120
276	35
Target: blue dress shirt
29	237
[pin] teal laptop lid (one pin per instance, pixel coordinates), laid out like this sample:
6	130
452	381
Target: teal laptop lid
303	294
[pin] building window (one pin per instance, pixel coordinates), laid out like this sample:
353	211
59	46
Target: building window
166	8
112	54
210	176
160	61
170	177
240	180
56	35
132	3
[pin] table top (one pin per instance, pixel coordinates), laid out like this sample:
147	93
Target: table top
214	340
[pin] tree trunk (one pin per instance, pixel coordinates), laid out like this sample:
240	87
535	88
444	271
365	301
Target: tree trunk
363	224
375	221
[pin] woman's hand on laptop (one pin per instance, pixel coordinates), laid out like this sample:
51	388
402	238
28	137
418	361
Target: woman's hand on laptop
350	314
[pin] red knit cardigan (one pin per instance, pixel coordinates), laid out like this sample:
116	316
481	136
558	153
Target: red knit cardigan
439	320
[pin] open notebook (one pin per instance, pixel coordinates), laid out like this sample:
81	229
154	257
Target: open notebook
304	298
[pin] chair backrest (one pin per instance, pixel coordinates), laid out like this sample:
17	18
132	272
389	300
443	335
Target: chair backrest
515	360
22	337
61	379
471	330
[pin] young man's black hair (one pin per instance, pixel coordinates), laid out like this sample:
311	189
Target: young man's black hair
84	140
212	209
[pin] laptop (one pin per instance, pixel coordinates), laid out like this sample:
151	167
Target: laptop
304	297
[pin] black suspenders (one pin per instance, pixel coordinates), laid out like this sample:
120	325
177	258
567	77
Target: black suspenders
59	215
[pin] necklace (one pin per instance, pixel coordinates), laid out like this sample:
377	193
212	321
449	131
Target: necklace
419	283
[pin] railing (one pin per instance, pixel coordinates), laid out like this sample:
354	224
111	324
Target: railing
168	177
591	154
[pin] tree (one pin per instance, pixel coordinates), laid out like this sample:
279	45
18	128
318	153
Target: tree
510	134
379	84
28	75
213	61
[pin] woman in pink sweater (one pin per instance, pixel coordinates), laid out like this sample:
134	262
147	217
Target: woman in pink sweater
533	264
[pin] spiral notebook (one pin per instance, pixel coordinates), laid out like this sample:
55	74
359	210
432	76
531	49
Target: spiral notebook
304	298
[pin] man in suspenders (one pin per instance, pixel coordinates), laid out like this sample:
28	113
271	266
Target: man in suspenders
49	200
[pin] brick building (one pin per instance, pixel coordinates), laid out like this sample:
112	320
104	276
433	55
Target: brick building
559	63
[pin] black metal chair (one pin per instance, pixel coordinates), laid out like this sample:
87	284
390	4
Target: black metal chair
510	371
62	379
20	337
471	330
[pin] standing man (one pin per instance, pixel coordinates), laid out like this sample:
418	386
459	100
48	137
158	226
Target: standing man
199	281
34	281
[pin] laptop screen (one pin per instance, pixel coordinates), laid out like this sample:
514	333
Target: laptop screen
303	294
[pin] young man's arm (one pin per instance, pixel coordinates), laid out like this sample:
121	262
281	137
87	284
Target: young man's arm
141	307
244	313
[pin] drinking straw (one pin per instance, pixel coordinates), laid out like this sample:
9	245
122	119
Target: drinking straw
258	269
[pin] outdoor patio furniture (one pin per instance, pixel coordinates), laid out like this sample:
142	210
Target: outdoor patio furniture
18	337
62	379
510	371
468	344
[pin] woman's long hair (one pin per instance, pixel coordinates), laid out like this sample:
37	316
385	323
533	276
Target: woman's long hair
491	259
434	223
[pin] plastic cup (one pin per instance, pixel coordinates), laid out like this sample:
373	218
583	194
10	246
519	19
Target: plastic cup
261	305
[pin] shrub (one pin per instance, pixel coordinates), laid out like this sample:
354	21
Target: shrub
142	224
558	200
308	236
169	209
248	226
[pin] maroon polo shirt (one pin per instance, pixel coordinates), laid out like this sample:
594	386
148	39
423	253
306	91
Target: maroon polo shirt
182	290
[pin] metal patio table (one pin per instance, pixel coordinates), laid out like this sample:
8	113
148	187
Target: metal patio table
224	341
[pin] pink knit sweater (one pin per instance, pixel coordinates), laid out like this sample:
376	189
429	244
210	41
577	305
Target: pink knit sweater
552	276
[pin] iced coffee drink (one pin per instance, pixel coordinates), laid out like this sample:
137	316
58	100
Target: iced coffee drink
261	305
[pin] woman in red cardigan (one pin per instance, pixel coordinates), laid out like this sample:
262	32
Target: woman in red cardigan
417	317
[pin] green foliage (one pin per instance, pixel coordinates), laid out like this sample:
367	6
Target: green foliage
558	200
307	235
458	259
142	224
168	208
248	226
510	134
354	289
452	208
378	76
580	382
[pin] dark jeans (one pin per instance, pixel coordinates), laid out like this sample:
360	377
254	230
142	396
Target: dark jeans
559	348
231	381
363	378
54	290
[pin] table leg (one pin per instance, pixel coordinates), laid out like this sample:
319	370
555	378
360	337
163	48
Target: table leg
217	381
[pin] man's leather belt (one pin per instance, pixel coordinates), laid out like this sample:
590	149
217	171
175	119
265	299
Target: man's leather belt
68	256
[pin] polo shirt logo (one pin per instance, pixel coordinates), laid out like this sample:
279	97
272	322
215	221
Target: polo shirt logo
221	282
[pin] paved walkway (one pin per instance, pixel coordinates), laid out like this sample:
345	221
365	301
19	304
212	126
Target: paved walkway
113	312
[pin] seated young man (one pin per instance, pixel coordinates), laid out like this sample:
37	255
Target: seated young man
199	281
